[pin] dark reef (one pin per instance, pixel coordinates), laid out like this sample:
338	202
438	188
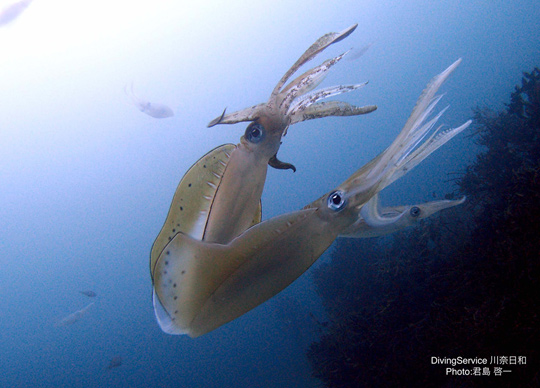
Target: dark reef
464	283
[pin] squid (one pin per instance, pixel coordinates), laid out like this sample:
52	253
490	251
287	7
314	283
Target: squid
152	109
201	285
219	197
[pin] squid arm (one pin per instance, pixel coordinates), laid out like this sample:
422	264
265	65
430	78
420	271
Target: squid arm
329	108
282	104
319	45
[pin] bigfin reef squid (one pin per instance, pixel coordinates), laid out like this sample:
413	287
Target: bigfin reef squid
220	196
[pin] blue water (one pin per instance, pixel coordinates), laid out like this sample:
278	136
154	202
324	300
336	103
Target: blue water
86	179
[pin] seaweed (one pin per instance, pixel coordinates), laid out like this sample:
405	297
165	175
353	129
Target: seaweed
464	283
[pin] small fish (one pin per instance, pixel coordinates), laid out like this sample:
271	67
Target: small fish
88	293
115	362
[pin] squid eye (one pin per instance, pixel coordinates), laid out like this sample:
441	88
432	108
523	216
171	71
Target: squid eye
415	211
336	200
254	133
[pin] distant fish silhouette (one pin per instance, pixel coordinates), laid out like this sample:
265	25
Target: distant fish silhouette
12	11
72	318
88	293
115	362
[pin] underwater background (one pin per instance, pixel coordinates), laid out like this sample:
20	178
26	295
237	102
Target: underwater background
86	181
